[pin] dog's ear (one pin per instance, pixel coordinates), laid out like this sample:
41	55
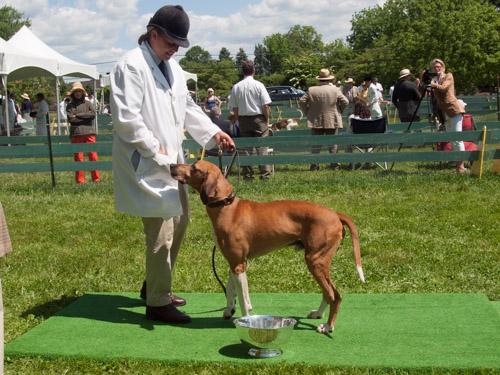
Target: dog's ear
208	188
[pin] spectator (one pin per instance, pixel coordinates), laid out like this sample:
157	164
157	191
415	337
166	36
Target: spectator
41	114
360	111
211	101
26	107
323	105
151	107
81	114
406	97
363	91
450	110
350	92
379	88
225	126
373	98
63	117
250	105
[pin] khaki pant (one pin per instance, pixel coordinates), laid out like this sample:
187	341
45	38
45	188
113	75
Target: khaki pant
163	241
255	126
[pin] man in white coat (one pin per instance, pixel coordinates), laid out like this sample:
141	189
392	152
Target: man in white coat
151	107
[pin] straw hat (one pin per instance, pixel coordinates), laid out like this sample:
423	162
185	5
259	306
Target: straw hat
77	86
25	96
324	75
404	73
349	80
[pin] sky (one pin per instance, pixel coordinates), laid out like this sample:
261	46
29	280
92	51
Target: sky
99	32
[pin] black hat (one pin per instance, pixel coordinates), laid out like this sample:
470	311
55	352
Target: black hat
173	21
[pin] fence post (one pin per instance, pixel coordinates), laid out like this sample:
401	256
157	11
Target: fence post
477	166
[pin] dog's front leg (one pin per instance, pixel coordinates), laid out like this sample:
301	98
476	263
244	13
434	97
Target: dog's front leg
241	284
230	296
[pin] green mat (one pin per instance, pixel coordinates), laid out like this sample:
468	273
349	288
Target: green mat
453	331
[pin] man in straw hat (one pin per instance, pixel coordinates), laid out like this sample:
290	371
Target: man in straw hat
26	107
350	91
80	114
406	97
323	106
151	107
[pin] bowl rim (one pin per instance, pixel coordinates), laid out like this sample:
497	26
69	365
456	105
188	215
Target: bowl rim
292	320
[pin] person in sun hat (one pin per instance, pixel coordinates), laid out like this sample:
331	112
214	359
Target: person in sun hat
151	107
323	105
81	114
350	91
26	107
406	97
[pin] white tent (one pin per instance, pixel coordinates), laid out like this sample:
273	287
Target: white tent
18	64
26	41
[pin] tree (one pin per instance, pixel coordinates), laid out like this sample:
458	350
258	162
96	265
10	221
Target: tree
278	47
224	54
11	21
260	60
410	33
196	54
241	57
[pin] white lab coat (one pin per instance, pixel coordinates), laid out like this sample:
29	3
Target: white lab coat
148	115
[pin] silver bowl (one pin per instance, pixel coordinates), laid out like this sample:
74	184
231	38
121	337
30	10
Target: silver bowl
266	334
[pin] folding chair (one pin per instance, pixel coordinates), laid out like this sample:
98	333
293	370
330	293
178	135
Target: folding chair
369	126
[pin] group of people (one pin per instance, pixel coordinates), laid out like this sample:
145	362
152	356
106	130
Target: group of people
324	104
407	96
26	112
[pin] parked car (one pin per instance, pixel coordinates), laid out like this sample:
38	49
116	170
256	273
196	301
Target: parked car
278	93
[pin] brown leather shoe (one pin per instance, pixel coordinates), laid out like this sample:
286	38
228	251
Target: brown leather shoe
167	314
176	301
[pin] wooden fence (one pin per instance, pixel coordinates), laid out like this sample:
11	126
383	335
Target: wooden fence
23	154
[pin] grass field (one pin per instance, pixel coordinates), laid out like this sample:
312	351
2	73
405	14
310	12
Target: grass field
422	230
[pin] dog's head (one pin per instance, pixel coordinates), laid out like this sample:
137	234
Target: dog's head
205	178
279	125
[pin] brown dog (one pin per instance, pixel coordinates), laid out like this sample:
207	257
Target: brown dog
244	229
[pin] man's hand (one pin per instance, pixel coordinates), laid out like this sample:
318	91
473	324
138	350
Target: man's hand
224	141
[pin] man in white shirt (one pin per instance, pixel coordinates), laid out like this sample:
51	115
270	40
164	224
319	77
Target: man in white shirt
250	103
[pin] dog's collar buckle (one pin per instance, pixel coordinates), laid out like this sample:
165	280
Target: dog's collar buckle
223	202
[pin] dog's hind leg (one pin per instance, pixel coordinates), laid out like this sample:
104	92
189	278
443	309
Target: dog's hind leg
241	284
318	262
231	297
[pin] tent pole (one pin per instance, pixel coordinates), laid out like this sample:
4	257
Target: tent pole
6	105
96	111
57	107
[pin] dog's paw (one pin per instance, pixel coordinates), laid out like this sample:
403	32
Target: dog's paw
324	328
315	314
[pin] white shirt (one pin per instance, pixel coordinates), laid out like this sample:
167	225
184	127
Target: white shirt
62	110
249	96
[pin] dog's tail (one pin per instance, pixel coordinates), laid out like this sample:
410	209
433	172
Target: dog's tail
345	220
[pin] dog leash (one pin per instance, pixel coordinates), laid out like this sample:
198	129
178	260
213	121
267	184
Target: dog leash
226	173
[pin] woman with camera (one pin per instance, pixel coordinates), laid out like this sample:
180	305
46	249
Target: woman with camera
450	110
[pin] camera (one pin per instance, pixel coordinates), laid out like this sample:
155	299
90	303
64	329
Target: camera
428	76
